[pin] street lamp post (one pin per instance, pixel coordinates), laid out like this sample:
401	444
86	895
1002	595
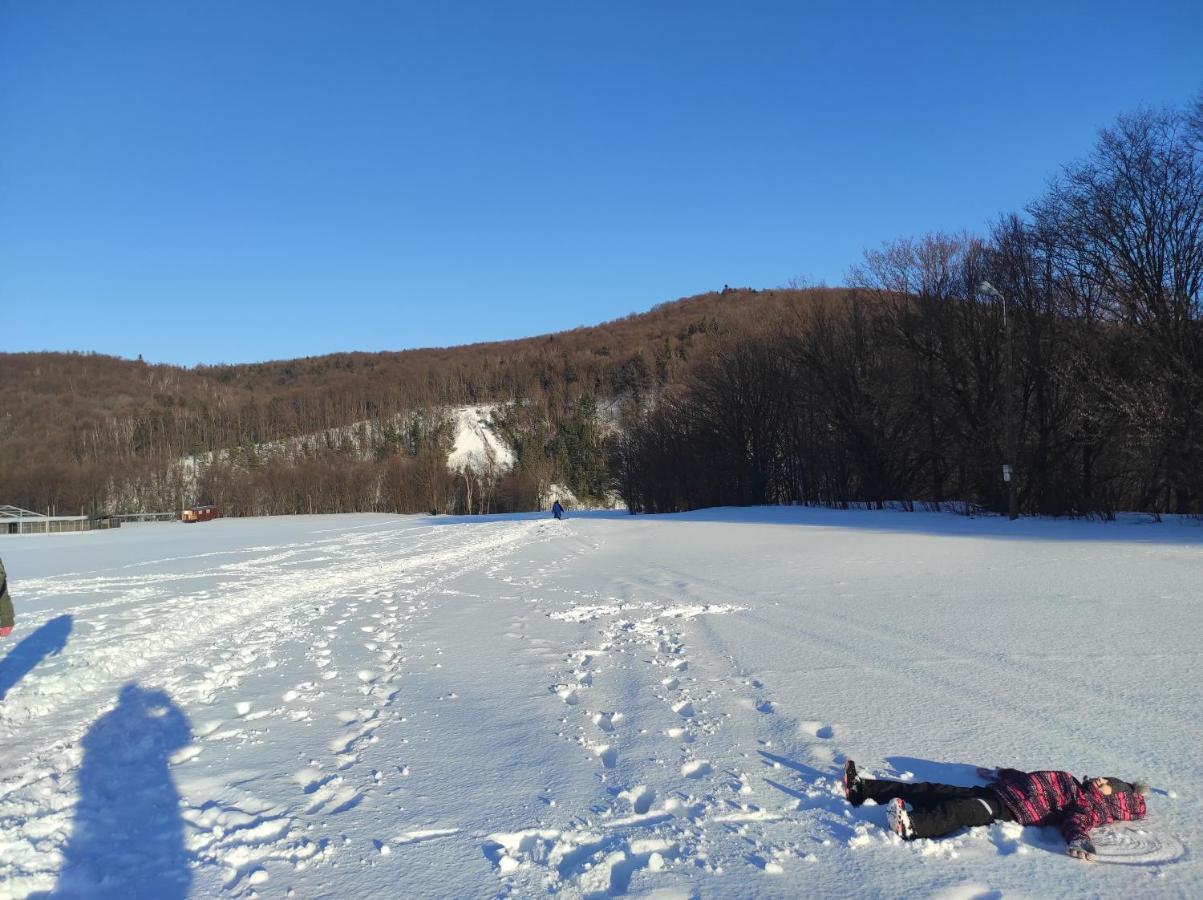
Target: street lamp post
1009	401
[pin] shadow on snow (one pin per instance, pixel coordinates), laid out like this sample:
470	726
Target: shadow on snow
128	836
48	640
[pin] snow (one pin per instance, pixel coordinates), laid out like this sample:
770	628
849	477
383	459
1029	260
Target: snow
383	706
477	445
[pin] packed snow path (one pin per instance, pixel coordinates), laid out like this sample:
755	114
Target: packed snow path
376	706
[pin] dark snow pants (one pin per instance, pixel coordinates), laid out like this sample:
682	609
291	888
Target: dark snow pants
938	809
6	603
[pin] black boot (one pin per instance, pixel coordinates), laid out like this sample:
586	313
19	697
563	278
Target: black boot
854	791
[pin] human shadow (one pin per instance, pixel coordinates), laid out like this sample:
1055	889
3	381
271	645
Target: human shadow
810	795
128	838
775	761
48	640
959	774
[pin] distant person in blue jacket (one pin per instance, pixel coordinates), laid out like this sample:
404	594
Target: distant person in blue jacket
557	510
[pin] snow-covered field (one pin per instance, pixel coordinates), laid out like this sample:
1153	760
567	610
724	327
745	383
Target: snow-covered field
376	706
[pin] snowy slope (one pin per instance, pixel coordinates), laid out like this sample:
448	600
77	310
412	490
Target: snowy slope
477	445
378	706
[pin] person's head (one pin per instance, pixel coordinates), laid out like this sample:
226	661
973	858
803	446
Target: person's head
1107	785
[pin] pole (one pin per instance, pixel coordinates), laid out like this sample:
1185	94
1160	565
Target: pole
1011	449
1012	495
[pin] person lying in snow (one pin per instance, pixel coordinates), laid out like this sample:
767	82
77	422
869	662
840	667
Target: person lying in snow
6	605
926	810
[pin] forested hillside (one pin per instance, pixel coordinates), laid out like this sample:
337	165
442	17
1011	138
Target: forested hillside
84	432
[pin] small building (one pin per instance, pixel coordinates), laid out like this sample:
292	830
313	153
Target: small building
200	514
15	520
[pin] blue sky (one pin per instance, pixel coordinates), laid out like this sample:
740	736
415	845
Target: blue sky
239	181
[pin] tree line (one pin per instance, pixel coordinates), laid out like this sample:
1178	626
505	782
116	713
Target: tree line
1066	343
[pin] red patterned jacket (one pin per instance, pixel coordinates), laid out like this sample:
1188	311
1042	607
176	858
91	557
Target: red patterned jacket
1057	798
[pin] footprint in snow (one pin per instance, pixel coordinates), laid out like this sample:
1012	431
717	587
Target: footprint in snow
607	720
334	800
640	797
817	729
313	779
567	694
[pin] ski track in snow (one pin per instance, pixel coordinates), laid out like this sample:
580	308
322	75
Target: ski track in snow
586	709
199	647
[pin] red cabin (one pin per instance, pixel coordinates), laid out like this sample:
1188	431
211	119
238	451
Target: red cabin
200	514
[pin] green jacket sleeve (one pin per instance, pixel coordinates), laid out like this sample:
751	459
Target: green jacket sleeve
7	619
